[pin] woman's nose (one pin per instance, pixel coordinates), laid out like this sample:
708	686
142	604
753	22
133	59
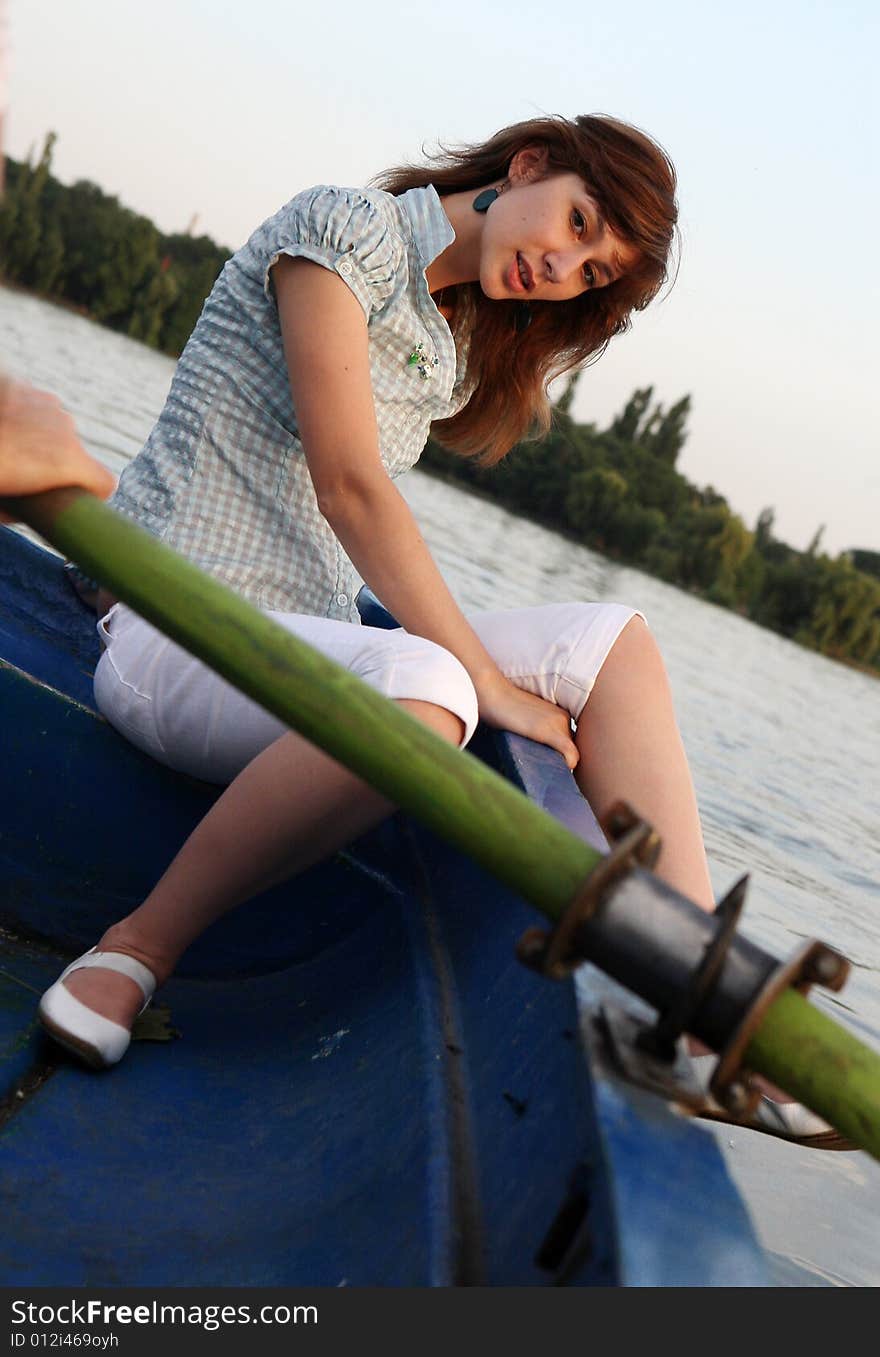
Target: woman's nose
564	265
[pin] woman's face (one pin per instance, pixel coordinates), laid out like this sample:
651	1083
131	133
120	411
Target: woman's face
544	239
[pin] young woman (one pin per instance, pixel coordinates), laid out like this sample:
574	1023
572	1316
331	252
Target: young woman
351	324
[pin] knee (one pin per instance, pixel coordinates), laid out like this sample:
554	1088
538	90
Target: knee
441	720
448	685
637	639
635	659
428	677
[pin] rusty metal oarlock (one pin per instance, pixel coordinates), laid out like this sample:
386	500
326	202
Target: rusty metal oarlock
695	970
660	1040
633	842
813	963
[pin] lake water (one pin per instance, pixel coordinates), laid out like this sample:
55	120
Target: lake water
784	745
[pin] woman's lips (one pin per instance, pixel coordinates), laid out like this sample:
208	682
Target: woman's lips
519	275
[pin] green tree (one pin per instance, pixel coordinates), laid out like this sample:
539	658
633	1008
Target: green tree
789	595
150	303
866	561
563	405
626	425
666	434
593	500
110	254
21	232
816	541
713	545
49	263
845	620
80	244
634	528
764	529
193	265
654	483
750	575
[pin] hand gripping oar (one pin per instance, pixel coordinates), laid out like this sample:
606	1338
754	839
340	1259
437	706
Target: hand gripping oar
701	975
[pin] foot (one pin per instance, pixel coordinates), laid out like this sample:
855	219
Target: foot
704	1060
107	993
777	1114
91	1007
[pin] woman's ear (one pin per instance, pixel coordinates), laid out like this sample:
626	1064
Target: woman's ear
528	165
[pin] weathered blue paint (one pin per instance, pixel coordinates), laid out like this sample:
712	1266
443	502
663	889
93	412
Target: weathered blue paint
367	1088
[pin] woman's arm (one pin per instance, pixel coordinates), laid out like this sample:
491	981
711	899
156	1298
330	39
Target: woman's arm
326	347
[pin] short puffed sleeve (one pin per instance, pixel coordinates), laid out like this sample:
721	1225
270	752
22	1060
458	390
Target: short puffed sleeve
346	232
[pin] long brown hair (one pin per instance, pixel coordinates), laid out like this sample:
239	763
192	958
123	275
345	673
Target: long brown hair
632	180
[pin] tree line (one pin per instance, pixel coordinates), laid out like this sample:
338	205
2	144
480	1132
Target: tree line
79	245
616	490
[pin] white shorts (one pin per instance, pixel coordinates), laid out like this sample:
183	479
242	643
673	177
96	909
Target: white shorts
178	710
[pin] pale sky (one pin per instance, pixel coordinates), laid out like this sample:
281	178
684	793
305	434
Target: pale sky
769	110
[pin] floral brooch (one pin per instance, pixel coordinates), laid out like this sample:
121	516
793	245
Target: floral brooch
419	359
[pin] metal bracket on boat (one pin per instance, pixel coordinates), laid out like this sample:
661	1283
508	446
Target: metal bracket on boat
660	1040
616	1032
813	963
654	1057
633	842
693	968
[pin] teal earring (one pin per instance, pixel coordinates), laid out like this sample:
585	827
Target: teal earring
484	200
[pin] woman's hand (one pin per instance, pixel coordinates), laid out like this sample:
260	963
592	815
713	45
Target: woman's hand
507	707
39	448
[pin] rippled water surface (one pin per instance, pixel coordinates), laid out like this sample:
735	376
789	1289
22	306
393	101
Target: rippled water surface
784	745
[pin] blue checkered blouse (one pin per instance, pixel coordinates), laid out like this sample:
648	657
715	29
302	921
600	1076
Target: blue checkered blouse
223	478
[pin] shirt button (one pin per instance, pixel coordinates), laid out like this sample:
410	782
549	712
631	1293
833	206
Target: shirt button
345	267
342	600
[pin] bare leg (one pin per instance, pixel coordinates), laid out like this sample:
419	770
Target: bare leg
630	747
290	807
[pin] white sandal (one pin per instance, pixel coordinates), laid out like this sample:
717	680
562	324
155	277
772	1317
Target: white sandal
789	1121
97	1040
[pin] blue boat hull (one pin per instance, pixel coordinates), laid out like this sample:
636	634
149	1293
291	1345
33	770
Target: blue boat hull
365	1088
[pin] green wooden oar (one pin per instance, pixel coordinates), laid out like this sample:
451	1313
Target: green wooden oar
452	793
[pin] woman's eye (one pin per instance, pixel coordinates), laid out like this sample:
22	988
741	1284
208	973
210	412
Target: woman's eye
589	275
578	221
